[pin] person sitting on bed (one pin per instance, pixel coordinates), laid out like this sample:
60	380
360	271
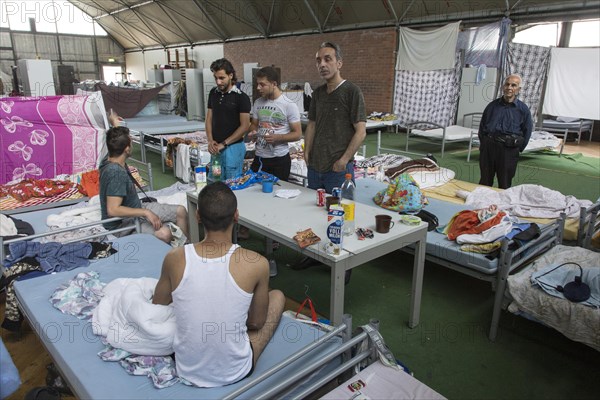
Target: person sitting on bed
118	196
504	131
225	314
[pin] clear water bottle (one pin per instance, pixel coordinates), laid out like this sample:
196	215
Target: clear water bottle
215	167
347	192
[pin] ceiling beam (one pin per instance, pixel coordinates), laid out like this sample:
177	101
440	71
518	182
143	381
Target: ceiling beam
270	17
406	11
238	18
181	33
166	5
151	32
391	7
312	13
132	37
120	10
328	15
221	32
258	17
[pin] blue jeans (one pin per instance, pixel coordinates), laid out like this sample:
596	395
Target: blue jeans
328	180
232	160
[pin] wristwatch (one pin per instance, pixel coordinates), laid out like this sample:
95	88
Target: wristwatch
224	143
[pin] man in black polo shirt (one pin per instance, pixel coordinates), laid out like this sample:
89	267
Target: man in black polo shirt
227	119
504	132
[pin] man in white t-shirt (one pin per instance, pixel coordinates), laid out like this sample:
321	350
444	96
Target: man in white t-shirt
275	122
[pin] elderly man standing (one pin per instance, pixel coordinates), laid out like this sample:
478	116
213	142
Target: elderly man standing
504	132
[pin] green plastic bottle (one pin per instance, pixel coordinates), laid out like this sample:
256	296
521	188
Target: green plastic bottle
215	167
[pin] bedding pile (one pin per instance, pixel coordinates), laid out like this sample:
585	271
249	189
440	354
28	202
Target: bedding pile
576	321
534	201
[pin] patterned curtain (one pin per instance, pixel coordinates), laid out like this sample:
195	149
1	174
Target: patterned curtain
531	62
430	96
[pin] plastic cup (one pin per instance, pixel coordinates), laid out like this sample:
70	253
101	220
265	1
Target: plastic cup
267	186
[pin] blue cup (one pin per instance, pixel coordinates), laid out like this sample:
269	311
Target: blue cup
267	186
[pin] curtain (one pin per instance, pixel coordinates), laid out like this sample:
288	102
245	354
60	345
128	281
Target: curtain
428	95
427	50
531	62
573	88
486	44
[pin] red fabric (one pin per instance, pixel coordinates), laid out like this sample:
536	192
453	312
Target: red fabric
28	188
467	222
90	182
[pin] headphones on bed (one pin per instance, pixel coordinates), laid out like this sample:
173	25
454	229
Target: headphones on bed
576	291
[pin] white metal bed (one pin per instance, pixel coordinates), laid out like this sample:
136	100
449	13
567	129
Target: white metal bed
443	134
571	125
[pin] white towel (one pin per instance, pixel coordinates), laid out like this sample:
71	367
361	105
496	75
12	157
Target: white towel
128	320
182	165
7	226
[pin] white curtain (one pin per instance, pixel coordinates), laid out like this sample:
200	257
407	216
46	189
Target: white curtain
573	88
427	50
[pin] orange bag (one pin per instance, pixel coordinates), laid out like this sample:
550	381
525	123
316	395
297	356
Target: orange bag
90	181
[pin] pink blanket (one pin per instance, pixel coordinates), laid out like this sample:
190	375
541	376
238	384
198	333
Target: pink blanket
43	137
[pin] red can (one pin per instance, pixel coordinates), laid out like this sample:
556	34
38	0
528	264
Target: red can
321	197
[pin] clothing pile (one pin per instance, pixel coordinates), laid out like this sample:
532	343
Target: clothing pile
31	259
482	231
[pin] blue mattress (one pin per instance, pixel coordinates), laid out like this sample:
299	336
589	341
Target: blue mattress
74	347
437	244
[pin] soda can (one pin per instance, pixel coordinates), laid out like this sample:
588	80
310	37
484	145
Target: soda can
336	192
321	197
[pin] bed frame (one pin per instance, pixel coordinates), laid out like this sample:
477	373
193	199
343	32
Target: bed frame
470	125
589	226
578	127
292	370
509	260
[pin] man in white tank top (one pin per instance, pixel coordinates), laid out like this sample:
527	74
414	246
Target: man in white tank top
220	294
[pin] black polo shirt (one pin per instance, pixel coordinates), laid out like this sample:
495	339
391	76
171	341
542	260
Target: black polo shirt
226	109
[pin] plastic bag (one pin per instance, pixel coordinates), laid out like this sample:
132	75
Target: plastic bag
402	195
249	179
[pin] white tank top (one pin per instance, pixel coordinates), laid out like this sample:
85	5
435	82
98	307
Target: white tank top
211	342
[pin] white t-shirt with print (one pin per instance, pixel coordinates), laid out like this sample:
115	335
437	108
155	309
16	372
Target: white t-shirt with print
274	118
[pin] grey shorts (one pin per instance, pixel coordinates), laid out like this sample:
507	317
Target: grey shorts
166	213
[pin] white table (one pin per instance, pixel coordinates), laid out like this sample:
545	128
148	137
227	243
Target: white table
279	219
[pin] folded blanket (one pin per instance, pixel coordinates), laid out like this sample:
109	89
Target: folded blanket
128	320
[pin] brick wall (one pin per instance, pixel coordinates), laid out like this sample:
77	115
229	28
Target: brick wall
368	54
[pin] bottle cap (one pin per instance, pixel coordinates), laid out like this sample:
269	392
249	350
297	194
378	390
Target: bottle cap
348	176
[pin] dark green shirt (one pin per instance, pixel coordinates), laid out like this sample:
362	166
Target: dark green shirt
335	115
115	181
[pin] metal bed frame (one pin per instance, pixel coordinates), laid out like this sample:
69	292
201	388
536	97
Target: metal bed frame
589	226
475	118
509	261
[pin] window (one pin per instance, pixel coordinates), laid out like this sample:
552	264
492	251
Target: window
47	16
539	35
585	34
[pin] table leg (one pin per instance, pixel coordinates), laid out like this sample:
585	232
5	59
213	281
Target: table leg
417	283
336	308
192	221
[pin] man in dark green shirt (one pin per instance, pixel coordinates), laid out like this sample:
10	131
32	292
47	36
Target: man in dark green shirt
336	123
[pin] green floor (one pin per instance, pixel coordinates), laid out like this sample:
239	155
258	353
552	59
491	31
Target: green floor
449	350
